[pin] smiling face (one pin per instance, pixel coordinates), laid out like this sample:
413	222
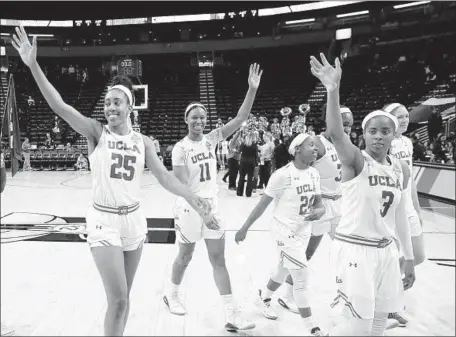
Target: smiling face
307	151
196	120
379	134
116	108
402	115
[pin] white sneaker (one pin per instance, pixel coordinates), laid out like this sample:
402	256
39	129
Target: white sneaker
235	322
6	331
174	304
268	311
289	304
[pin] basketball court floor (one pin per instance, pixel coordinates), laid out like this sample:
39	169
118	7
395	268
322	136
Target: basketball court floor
53	288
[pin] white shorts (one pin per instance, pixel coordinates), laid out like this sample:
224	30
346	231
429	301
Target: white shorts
330	220
190	226
108	229
291	245
368	278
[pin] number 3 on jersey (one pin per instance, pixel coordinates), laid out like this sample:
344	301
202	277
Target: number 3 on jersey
125	162
388	196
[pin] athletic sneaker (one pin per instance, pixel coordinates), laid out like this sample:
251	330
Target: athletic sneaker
401	320
289	304
317	332
174	304
268	311
6	331
235	322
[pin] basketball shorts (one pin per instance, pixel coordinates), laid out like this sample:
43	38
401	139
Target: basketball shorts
190	226
291	245
106	229
331	218
368	278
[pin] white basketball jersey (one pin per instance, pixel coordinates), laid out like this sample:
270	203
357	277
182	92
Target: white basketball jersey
117	164
294	193
330	169
402	148
370	200
200	162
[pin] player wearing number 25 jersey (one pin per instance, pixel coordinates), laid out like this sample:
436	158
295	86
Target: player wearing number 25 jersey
117	164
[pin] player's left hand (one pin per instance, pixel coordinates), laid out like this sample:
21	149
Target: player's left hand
255	76
316	214
409	272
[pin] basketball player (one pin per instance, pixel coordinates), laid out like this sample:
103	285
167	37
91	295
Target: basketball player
373	213
402	148
116	226
329	168
296	190
195	164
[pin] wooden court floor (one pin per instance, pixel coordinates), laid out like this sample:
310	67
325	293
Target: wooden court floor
53	288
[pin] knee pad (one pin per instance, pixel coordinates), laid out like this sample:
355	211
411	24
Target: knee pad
301	287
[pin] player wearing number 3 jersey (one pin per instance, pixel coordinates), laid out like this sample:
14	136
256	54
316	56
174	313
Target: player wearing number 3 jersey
116	226
195	164
364	260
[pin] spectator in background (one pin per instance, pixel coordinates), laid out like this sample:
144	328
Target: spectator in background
69	148
280	156
157	145
266	151
419	151
26	153
81	163
434	125
234	155
249	157
49	142
30	101
354	138
439	149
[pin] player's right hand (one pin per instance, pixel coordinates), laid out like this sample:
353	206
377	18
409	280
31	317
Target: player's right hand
328	75
22	44
409	274
211	222
240	235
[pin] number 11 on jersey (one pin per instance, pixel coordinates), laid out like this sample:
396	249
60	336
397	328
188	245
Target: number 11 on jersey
208	173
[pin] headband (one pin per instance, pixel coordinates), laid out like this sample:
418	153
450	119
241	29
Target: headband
298	140
344	109
391	107
193	105
125	90
377	113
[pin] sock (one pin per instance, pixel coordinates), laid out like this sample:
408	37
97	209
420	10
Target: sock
266	293
378	326
174	288
228	302
288	290
308	323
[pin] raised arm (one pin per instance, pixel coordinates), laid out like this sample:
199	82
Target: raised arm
87	127
254	82
350	155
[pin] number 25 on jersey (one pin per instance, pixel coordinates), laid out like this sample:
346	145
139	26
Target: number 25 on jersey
125	162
